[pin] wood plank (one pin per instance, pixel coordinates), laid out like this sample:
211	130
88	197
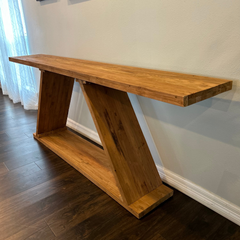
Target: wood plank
54	99
50	162
21	172
44	233
20	132
85	157
97	226
35	211
15	161
3	169
18	148
25	200
151	200
79	210
123	141
114	224
175	88
25	182
28	231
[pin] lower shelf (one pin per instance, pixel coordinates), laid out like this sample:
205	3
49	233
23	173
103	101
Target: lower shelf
87	158
92	162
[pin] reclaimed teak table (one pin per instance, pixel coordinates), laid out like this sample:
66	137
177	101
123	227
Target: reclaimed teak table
124	169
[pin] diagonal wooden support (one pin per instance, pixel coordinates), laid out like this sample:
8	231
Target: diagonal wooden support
123	141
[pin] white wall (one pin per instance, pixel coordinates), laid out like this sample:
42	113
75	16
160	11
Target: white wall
200	143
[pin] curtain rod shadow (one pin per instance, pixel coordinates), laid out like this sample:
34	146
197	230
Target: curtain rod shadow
46	2
71	2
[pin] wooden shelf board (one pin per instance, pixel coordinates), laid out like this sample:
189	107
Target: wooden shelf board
150	201
87	158
175	88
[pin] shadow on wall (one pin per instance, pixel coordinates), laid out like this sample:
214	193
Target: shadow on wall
145	129
46	2
216	118
79	111
70	2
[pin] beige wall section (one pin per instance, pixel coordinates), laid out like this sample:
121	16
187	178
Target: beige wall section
200	142
79	111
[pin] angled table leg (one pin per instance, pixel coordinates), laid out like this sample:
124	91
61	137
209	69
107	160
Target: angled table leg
54	100
126	148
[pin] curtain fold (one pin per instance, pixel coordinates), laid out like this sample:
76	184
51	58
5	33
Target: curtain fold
16	80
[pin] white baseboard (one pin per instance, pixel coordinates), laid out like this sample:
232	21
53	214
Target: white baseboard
83	130
209	199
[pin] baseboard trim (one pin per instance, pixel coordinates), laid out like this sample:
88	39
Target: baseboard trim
209	199
83	130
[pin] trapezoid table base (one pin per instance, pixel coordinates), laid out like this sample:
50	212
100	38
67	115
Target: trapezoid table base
90	160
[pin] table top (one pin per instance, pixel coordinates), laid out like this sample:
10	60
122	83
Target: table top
175	88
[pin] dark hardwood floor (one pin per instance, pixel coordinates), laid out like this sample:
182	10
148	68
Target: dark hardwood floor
42	197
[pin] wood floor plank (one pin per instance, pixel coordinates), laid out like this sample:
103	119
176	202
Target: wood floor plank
16	161
4	137
9	139
18	148
50	162
15	123
3	169
14	175
11	188
96	226
13	222
38	193
20	131
70	216
28	231
224	229
44	233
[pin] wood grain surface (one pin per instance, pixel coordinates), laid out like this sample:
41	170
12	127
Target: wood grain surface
175	88
85	157
122	140
92	162
54	100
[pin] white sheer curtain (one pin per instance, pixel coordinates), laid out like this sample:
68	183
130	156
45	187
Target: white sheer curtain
16	80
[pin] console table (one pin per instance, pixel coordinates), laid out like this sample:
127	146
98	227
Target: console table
124	168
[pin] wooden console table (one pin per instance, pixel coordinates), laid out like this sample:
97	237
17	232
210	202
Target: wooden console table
125	169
